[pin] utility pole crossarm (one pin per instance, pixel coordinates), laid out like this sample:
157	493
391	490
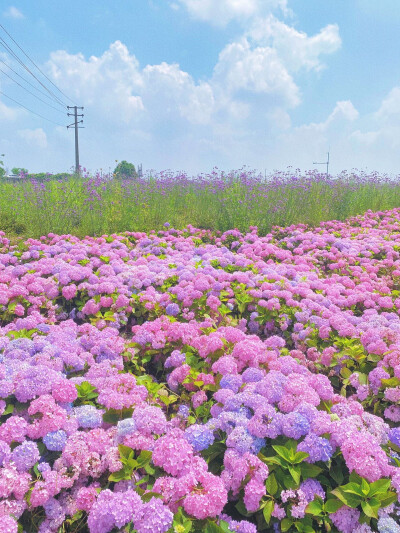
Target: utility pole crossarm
324	163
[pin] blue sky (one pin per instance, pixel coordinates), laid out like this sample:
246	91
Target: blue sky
193	84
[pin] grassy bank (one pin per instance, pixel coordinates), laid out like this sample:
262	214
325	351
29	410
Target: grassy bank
93	205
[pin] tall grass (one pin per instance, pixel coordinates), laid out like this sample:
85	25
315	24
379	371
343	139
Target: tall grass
94	205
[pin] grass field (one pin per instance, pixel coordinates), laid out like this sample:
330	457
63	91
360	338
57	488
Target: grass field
94	205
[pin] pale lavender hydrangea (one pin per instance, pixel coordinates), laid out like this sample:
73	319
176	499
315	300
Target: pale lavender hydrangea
55	440
88	416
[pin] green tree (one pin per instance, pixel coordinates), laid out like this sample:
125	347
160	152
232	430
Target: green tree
17	170
125	170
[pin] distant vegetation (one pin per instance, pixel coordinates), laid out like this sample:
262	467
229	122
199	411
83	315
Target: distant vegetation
125	170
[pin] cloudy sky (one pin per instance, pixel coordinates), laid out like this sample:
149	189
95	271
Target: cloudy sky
194	84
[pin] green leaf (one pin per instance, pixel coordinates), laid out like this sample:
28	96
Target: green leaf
120	475
331	506
371	508
271	485
310	470
291	445
387	500
295	473
283	452
336	474
35	469
286	524
181	523
391	382
125	452
144	458
353	488
378	487
365	487
352	500
315	508
275	460
289	482
225	526
304	528
85	387
112	416
345	372
299	457
267	510
212	527
355	478
241	508
149	495
8	410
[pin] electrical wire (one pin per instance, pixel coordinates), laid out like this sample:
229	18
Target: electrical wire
6	46
30	110
31	60
30	92
29	83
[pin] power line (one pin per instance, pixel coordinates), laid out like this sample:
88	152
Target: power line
31	60
6	46
29	83
30	92
30	110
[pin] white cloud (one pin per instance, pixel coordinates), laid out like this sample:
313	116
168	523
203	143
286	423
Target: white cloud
115	86
36	138
343	110
257	69
296	49
13	13
220	12
367	138
389	110
168	91
229	119
7	113
383	128
110	82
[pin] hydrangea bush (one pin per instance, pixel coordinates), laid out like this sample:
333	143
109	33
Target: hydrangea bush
191	381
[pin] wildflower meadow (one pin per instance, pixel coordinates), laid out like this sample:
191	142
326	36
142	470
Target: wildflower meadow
201	379
95	204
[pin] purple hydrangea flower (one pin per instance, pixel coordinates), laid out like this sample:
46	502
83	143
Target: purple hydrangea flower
176	358
125	427
183	411
155	517
55	440
200	437
88	416
172	309
25	455
318	448
294	425
231	381
394	436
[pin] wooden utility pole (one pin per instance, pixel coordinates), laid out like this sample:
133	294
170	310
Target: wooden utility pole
75	125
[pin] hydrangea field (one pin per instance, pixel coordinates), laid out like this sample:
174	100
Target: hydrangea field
196	381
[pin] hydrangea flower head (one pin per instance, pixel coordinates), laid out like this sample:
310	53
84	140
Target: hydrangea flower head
55	440
88	416
199	436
